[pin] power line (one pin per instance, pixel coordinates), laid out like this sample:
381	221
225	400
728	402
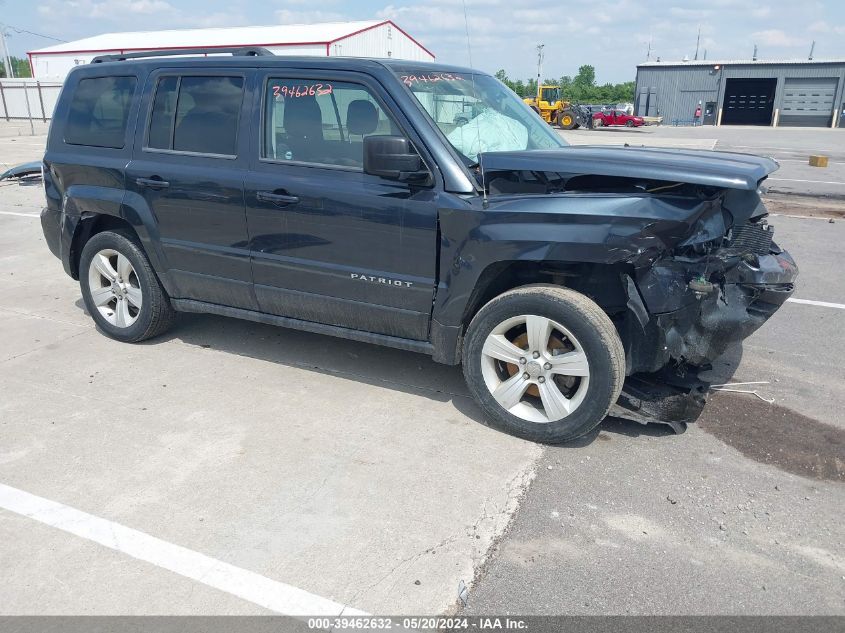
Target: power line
48	37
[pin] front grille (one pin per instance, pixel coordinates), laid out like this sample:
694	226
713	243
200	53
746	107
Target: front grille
751	238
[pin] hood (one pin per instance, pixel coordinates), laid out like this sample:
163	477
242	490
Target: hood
701	167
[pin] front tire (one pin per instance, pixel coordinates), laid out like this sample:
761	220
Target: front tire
120	289
545	363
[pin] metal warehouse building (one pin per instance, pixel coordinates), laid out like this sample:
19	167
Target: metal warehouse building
780	93
371	38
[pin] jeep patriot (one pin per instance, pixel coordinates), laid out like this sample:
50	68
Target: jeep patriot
418	206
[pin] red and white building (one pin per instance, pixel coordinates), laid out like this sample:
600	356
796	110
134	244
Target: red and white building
369	38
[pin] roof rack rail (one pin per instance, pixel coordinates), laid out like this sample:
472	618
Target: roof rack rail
247	51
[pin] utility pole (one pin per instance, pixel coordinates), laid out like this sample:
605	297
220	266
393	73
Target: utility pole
7	60
697	42
648	52
539	67
812	49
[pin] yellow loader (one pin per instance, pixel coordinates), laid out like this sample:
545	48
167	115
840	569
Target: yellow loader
554	111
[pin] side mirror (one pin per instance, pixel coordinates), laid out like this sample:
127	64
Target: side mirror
392	157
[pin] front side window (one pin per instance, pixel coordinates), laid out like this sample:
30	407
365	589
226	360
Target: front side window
99	110
478	113
196	114
320	121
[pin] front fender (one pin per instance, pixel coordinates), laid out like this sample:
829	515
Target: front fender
581	228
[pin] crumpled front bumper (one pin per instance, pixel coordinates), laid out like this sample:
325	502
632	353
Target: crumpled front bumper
706	324
666	351
700	333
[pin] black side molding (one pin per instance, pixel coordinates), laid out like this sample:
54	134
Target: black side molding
190	305
249	51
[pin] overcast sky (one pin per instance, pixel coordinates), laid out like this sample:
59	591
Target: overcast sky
612	35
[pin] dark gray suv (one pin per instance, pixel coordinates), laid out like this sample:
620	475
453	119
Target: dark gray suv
353	197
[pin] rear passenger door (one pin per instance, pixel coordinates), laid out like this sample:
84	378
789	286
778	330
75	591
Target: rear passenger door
188	167
330	243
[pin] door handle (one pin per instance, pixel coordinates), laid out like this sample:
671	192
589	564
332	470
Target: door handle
152	183
276	198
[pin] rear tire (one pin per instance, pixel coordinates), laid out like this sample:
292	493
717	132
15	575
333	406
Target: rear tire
120	289
545	388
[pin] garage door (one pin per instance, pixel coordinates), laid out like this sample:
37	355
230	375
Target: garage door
647	102
749	101
808	102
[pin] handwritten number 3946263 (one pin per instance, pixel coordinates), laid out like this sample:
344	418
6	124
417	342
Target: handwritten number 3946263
309	90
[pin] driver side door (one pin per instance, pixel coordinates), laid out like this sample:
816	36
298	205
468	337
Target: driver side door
330	243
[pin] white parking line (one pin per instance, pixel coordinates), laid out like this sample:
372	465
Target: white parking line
795	160
23	215
270	594
818	182
792	150
822	304
826	218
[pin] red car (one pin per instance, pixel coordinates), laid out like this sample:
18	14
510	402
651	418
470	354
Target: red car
617	117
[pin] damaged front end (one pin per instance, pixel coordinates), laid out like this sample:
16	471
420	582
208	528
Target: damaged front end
705	303
703	270
712	290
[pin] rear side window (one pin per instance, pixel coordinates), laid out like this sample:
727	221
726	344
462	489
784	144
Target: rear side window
99	110
199	115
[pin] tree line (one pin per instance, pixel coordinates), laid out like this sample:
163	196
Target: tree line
581	89
20	68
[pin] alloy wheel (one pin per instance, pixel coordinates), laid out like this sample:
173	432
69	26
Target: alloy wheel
115	288
535	368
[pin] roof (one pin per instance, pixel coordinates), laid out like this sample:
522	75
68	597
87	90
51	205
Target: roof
741	62
274	35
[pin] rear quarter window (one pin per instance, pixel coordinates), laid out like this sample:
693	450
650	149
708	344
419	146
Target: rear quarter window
196	115
99	111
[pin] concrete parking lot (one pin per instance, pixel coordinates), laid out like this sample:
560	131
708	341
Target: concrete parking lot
235	468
